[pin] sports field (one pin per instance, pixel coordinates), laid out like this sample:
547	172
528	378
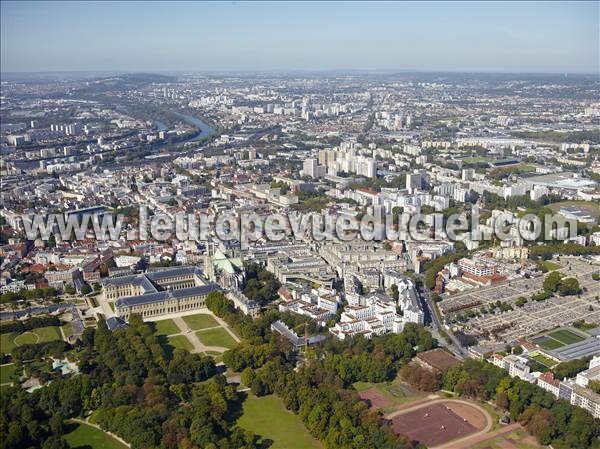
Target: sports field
267	417
216	337
180	342
558	339
83	436
566	336
437	423
200	321
547	342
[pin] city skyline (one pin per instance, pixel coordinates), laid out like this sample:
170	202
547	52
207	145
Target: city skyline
520	37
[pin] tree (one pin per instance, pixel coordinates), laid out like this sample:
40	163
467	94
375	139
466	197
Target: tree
521	301
55	442
569	286
594	385
552	282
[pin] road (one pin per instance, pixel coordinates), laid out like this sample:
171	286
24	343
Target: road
437	326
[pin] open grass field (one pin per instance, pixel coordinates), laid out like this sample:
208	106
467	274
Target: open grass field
200	321
566	336
386	396
166	327
548	265
518	439
180	342
27	338
6	372
67	330
267	417
84	436
7	342
216	337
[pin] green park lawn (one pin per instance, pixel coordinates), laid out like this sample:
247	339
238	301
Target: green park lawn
68	330
393	391
41	335
49	333
84	436
267	417
166	327
200	321
180	342
6	372
27	338
7	342
216	337
548	265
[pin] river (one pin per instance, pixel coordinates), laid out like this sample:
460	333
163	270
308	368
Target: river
205	130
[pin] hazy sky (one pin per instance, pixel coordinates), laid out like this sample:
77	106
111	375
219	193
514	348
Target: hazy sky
468	36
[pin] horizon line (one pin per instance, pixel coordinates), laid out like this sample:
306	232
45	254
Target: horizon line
311	70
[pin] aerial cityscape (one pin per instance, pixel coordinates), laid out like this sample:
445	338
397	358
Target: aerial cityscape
320	225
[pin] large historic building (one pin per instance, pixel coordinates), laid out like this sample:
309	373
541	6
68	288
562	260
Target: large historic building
155	293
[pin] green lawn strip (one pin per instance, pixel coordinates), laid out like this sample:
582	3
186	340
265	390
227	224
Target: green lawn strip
216	337
549	266
180	342
84	436
267	417
200	321
166	327
6	373
517	437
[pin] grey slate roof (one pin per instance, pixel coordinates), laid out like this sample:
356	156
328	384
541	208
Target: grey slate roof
157	296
